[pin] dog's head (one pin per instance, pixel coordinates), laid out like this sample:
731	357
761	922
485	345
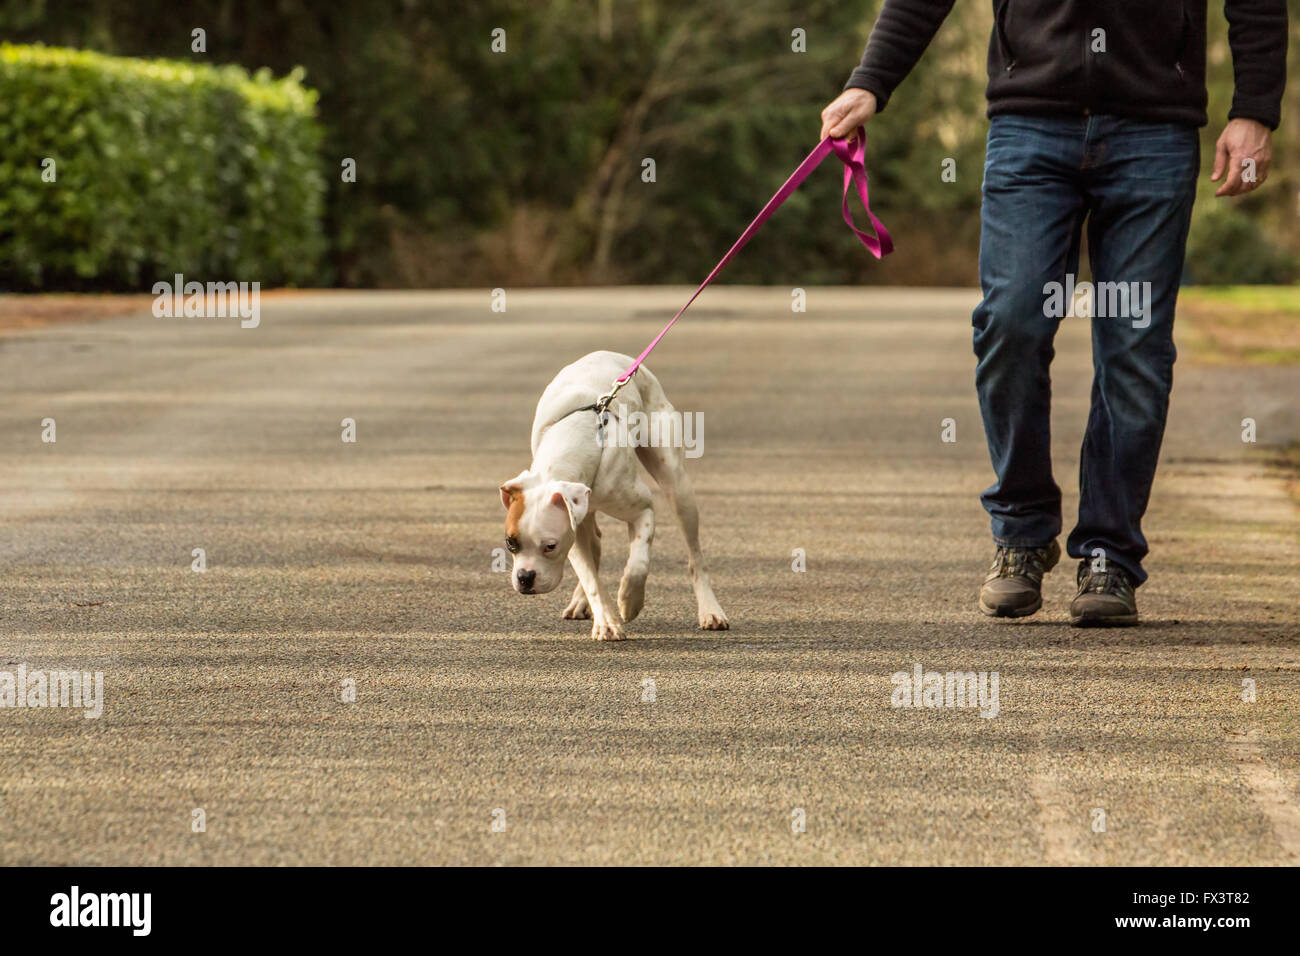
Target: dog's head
542	518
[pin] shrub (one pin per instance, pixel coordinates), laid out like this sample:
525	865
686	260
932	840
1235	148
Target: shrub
159	167
1229	247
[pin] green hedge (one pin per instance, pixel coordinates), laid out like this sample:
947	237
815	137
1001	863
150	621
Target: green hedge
160	167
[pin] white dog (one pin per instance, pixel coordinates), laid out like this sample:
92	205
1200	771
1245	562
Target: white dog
551	507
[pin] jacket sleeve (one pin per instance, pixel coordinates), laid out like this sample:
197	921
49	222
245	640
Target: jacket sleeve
902	32
1257	34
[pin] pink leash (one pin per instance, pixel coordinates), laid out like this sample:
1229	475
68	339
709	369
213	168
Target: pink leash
851	152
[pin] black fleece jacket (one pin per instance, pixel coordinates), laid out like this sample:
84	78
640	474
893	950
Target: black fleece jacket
1139	58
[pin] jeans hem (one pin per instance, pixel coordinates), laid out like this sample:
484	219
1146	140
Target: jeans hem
1024	543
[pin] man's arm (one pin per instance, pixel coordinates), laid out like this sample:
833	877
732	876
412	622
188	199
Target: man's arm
902	32
1257	34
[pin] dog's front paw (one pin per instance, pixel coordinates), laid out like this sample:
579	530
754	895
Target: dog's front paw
714	620
578	609
607	630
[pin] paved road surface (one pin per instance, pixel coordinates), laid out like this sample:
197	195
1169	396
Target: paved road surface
371	562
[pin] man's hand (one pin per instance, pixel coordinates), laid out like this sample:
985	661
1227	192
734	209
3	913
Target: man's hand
1244	151
848	111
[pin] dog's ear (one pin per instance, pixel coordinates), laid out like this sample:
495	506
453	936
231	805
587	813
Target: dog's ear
513	487
574	497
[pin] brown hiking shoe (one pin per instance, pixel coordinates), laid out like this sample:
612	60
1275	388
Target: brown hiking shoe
1105	598
1014	585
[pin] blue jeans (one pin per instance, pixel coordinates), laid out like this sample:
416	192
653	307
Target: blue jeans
1133	183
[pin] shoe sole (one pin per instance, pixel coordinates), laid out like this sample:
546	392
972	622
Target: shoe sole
1104	620
1001	610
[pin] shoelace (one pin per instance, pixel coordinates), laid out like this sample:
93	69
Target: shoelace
1018	562
1110	581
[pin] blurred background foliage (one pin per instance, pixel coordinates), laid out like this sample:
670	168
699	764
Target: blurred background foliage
121	170
524	167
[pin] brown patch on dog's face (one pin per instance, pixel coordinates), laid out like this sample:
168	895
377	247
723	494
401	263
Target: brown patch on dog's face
514	512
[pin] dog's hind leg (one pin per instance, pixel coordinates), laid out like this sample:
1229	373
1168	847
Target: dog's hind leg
605	625
579	608
667	465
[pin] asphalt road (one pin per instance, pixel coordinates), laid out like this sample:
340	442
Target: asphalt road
371	562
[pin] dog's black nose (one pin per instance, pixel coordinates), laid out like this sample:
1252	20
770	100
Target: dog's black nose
526	579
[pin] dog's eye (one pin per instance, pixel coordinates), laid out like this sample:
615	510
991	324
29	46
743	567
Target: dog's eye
547	549
512	545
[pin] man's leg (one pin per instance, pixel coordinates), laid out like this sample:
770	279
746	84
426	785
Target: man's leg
1140	193
1031	217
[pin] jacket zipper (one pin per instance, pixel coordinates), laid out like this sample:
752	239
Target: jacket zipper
1087	69
999	24
1182	44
